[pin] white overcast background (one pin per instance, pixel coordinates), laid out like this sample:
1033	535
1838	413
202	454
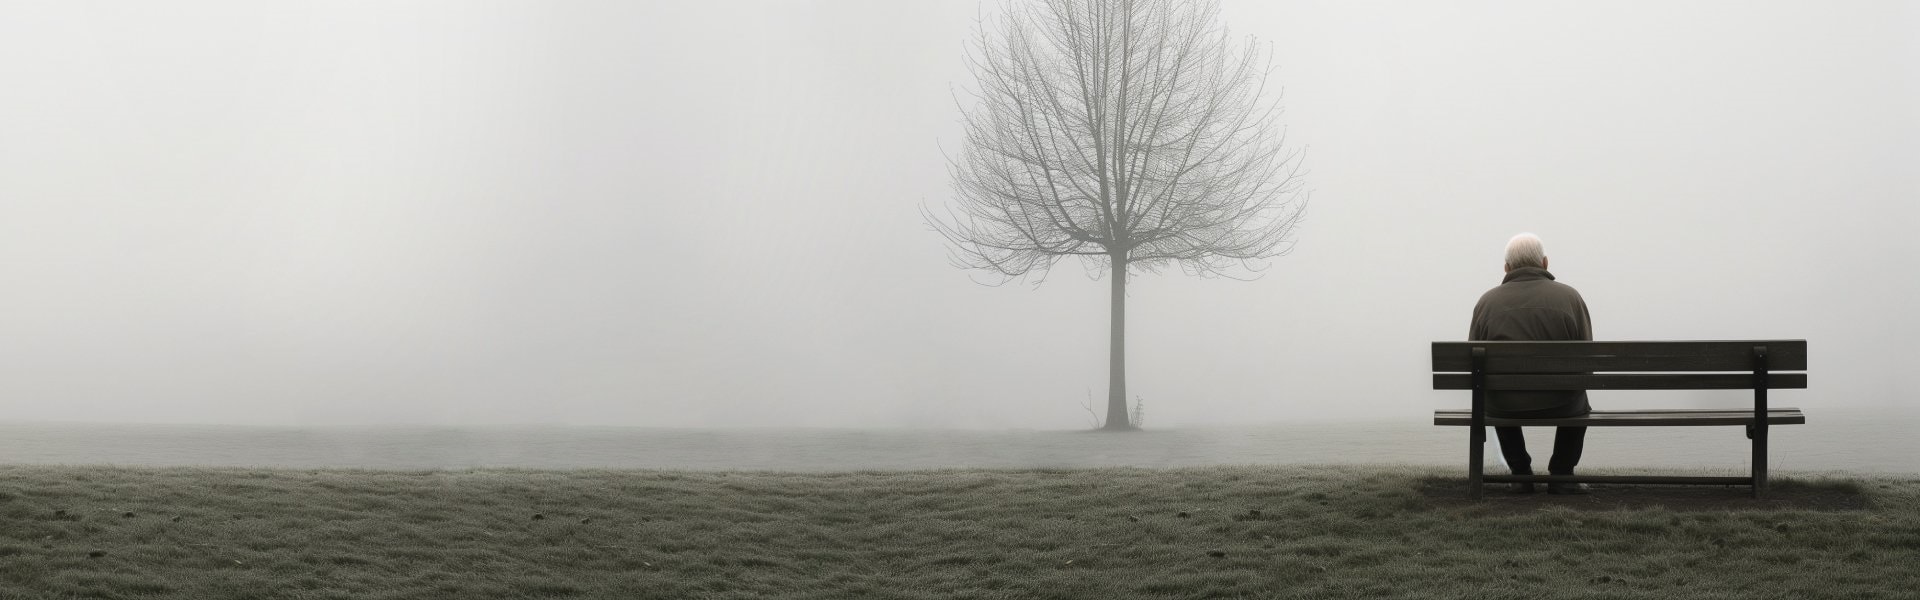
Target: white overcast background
707	213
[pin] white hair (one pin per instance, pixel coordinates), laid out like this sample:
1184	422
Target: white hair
1524	250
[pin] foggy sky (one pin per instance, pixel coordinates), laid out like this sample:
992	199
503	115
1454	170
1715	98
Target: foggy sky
693	213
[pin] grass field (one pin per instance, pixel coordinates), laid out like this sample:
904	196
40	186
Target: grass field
1227	532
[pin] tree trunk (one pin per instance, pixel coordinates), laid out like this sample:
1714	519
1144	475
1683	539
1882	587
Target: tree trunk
1117	419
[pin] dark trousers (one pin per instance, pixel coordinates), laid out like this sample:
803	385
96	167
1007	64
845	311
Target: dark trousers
1567	444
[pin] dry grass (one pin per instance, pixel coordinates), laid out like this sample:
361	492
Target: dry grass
1241	532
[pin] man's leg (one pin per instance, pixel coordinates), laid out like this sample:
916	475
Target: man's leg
1568	442
1513	447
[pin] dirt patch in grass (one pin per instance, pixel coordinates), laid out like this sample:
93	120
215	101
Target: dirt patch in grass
1781	495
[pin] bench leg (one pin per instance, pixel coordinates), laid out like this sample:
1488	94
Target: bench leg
1759	431
1476	460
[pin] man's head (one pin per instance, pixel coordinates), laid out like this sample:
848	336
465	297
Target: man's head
1524	250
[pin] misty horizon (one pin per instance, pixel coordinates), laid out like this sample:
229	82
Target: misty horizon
692	215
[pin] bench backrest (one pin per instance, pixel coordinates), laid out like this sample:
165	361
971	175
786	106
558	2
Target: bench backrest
1671	365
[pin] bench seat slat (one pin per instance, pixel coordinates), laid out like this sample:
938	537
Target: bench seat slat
1605	418
1576	357
1621	381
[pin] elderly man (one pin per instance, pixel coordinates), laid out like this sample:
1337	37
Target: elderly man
1529	305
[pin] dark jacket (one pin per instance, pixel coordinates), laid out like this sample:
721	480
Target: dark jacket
1530	306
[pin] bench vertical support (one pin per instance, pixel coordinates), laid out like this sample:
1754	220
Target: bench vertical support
1759	421
1476	451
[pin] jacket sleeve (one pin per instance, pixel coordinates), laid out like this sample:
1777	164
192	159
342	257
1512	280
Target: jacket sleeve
1477	328
1586	321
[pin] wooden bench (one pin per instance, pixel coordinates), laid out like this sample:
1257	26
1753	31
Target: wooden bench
1689	365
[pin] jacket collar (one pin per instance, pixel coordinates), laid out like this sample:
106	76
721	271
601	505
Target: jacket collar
1526	274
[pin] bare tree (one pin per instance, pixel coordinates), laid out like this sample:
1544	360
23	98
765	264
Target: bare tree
1130	133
